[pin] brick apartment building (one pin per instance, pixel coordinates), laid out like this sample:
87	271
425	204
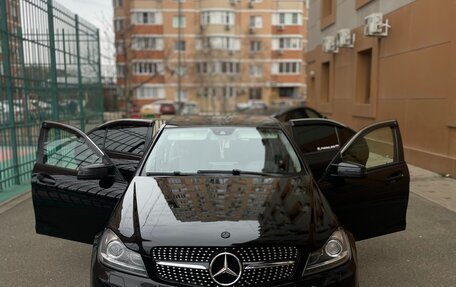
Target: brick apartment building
406	74
222	52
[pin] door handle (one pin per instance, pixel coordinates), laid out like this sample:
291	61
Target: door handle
46	179
395	177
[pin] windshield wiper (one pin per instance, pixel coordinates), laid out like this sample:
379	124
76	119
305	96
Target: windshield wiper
174	173
236	172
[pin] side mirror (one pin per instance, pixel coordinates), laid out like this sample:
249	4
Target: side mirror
351	170
96	171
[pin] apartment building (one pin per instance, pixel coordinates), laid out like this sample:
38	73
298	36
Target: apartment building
213	52
10	47
400	64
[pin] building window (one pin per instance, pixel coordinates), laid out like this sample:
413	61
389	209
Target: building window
179	22
288	92
327	13
230	68
203	68
218	43
147	43
118	25
147	68
326	8
227	68
255	46
255	93
361	3
286	68
218	17
179	46
146	18
181	71
118	3
287	43
120	48
288	18
256	70
229	92
256	22
146	92
181	96
13	10
325	82
120	70
363	77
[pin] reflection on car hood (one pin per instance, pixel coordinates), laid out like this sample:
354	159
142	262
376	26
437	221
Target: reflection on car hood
196	210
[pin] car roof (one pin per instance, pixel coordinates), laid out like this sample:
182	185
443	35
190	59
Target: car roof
125	122
226	120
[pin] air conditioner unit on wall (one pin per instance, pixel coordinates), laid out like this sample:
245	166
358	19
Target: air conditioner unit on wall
345	38
280	27
375	26
233	2
329	45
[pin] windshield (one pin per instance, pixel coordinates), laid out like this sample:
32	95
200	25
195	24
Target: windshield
199	150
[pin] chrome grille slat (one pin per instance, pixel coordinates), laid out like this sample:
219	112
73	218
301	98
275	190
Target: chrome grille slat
270	264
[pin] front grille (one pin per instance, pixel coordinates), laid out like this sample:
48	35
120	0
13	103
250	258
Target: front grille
249	256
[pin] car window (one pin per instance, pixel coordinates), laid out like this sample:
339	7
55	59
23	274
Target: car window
126	139
373	150
345	134
315	138
66	150
98	137
223	148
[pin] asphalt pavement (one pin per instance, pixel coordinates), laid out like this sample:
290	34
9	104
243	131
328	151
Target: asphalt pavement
423	255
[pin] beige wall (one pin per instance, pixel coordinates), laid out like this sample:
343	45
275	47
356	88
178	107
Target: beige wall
413	73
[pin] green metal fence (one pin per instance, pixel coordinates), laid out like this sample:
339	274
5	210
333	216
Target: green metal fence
49	69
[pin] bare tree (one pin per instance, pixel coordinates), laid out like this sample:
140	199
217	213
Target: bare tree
125	46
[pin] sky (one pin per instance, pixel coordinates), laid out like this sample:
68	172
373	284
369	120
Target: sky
99	13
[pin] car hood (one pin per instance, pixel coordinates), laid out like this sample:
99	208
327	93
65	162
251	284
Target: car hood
221	211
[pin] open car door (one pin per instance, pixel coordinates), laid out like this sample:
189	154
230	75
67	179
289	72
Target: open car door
367	182
125	142
75	186
319	140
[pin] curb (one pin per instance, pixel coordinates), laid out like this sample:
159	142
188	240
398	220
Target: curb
16	200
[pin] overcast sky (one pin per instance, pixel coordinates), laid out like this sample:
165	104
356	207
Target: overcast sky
99	13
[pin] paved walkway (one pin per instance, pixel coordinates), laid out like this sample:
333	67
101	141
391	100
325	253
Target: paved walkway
434	187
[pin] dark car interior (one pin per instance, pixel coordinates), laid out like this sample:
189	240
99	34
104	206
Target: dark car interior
124	142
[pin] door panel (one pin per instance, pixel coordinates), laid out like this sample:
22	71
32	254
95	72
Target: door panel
376	203
65	206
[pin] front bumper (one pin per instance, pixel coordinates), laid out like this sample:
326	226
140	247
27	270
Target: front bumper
342	276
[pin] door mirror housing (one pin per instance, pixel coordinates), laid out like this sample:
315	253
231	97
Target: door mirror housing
96	171
351	170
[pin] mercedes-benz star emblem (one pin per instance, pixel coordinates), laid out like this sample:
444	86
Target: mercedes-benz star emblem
225	235
225	269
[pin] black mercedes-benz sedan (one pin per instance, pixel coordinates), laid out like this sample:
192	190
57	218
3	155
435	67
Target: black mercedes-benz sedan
222	201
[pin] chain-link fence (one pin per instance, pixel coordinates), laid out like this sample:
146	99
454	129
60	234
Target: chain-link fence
49	69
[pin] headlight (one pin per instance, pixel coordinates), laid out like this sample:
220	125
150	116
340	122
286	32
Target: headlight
335	252
113	253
